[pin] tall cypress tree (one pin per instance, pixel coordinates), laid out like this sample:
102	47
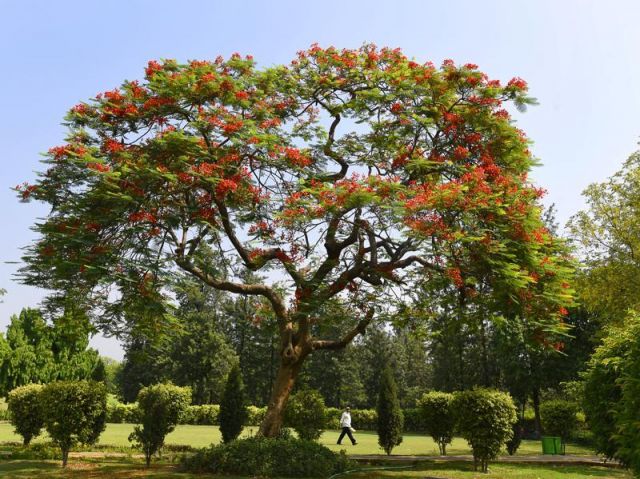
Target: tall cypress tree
390	419
233	407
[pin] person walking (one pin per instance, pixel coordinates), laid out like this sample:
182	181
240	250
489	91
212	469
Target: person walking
345	424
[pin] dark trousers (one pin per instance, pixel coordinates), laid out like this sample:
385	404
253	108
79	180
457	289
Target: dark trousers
347	431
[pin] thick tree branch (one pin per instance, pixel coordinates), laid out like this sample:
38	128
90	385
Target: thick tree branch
347	338
246	289
265	256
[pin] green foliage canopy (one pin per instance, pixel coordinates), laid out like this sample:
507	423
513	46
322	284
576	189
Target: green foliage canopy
267	167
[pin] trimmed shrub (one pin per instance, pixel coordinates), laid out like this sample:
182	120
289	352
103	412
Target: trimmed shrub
74	411
305	412
268	457
559	418
204	414
514	443
122	413
161	407
390	419
233	407
255	415
485	419
438	418
333	418
26	411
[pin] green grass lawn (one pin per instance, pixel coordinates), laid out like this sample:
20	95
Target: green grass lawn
459	470
132	468
202	436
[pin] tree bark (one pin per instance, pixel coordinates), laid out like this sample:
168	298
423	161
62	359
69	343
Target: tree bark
536	410
282	386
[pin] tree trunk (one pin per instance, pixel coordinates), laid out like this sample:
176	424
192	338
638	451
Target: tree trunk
284	381
536	410
65	456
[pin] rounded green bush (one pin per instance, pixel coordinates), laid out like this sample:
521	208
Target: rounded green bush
306	414
161	408
559	418
438	418
268	457
74	411
25	409
118	412
485	419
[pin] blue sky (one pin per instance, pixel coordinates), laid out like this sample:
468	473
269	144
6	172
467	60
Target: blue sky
580	58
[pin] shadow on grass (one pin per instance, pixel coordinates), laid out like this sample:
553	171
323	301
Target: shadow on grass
116	468
446	470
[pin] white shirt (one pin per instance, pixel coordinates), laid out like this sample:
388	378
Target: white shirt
345	420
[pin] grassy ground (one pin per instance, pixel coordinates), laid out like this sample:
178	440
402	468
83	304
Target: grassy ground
131	468
202	436
496	471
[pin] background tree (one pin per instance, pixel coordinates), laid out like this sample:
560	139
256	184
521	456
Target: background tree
608	234
233	407
390	419
38	352
143	365
264	167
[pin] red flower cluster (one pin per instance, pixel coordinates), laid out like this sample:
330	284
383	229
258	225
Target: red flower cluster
517	83
397	107
226	186
152	68
456	276
80	109
142	216
460	152
25	190
232	126
101	167
59	151
113	146
296	158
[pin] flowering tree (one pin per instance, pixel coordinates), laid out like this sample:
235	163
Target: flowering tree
347	177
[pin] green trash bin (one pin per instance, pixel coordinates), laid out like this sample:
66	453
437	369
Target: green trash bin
552	445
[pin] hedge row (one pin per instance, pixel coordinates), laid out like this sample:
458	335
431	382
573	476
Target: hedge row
207	414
